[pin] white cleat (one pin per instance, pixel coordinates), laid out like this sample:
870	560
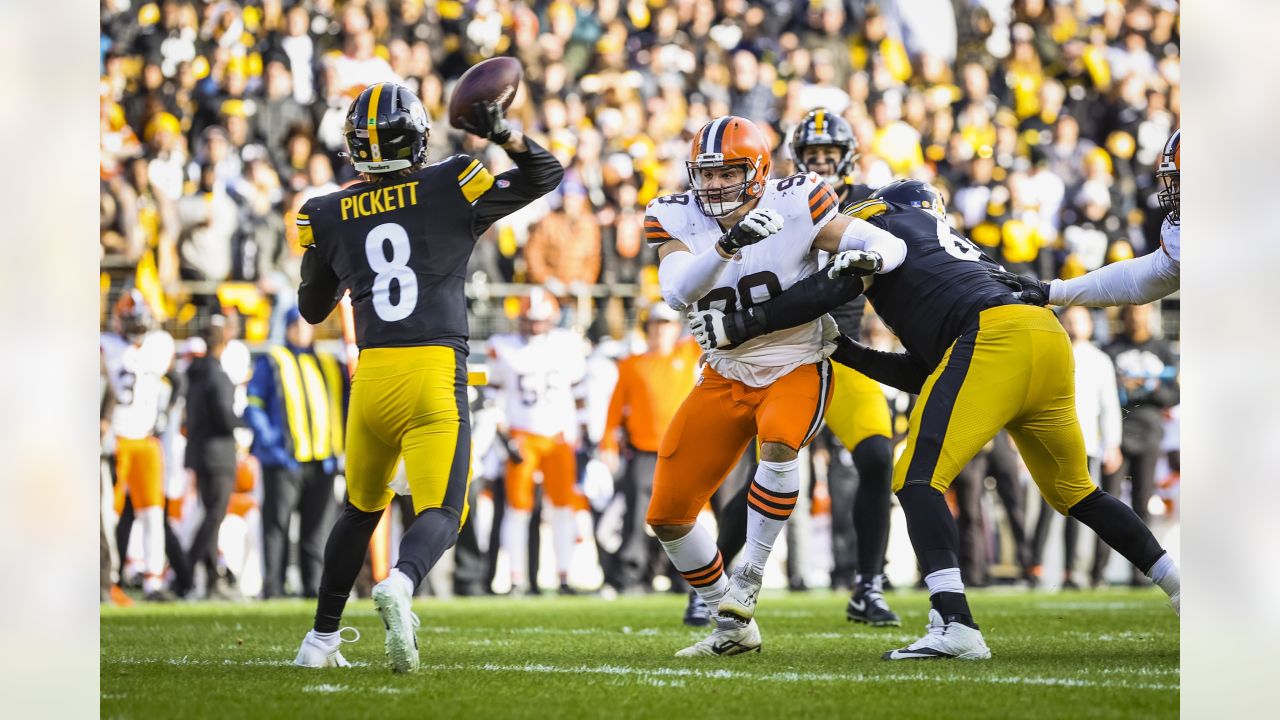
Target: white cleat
394	604
944	640
318	653
739	601
730	637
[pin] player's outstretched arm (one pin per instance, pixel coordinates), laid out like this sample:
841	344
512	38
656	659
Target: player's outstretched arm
537	172
1136	281
901	370
803	302
318	293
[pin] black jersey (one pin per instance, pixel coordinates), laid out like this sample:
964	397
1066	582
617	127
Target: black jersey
935	295
401	244
848	317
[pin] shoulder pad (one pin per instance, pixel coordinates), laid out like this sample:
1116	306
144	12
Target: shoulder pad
867	209
662	215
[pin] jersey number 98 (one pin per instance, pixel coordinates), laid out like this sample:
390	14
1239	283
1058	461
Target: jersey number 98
385	271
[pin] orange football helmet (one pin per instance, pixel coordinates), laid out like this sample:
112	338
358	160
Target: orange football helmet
726	142
1167	173
539	311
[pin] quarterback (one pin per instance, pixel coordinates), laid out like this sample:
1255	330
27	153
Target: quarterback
735	239
400	242
980	360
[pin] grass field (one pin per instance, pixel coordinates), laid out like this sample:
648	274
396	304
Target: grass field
1110	654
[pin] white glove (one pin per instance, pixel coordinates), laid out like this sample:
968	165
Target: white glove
759	224
597	484
855	262
707	327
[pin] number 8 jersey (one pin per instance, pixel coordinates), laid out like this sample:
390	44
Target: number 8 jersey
758	272
401	244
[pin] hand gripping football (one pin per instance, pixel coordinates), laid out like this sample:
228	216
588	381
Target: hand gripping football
494	80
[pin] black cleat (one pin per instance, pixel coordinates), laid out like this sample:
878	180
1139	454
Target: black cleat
566	589
696	613
868	606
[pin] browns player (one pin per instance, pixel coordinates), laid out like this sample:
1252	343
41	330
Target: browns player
399	241
734	239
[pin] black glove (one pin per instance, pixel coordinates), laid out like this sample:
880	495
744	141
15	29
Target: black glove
492	123
759	224
1026	288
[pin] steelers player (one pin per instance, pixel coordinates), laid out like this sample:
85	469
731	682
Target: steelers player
399	241
980	360
859	414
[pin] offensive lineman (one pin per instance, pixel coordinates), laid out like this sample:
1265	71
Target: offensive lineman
980	360
734	239
399	241
859	414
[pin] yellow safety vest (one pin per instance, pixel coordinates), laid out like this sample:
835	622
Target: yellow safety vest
312	402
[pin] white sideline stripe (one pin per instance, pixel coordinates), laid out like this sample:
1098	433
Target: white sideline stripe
791	677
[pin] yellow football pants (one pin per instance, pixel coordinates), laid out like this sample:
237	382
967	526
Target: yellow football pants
858	408
410	401
1015	371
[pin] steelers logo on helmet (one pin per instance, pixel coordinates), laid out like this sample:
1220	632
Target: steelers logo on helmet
728	143
386	129
822	128
1168	171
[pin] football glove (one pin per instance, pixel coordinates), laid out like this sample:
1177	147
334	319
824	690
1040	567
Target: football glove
855	262
708	329
1025	288
759	224
492	123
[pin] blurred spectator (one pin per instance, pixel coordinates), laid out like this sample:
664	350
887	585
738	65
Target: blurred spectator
564	247
297	409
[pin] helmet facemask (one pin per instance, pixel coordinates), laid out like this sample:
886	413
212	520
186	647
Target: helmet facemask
720	201
844	165
1168	195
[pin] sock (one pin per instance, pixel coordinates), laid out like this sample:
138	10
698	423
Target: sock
1120	527
432	532
934	537
1165	574
344	554
698	559
564	536
151	520
515	541
328	638
946	595
770	500
873	458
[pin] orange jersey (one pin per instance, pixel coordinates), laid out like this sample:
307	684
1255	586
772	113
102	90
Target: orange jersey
650	389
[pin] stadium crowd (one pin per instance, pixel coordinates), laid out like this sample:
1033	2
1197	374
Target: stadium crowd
1040	120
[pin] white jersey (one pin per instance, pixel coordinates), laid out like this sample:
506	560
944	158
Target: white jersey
759	272
136	373
535	377
1136	281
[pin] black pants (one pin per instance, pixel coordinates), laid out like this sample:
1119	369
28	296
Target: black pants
635	556
182	580
215	486
1070	530
309	490
1139	468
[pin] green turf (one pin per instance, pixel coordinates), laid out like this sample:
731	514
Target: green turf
1091	654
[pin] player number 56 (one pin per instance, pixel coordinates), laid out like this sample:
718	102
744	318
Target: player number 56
388	270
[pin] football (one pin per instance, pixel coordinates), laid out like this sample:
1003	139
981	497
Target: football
494	80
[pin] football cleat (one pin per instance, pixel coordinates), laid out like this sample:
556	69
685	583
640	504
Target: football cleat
744	587
318	653
394	604
867	605
731	637
944	640
696	613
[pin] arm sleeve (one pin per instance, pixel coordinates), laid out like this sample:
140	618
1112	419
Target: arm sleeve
803	302
318	293
1137	281
901	370
862	235
685	278
222	409
537	172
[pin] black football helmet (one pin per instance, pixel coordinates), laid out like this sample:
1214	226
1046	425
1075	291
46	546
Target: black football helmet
916	193
386	129
823	127
1167	172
